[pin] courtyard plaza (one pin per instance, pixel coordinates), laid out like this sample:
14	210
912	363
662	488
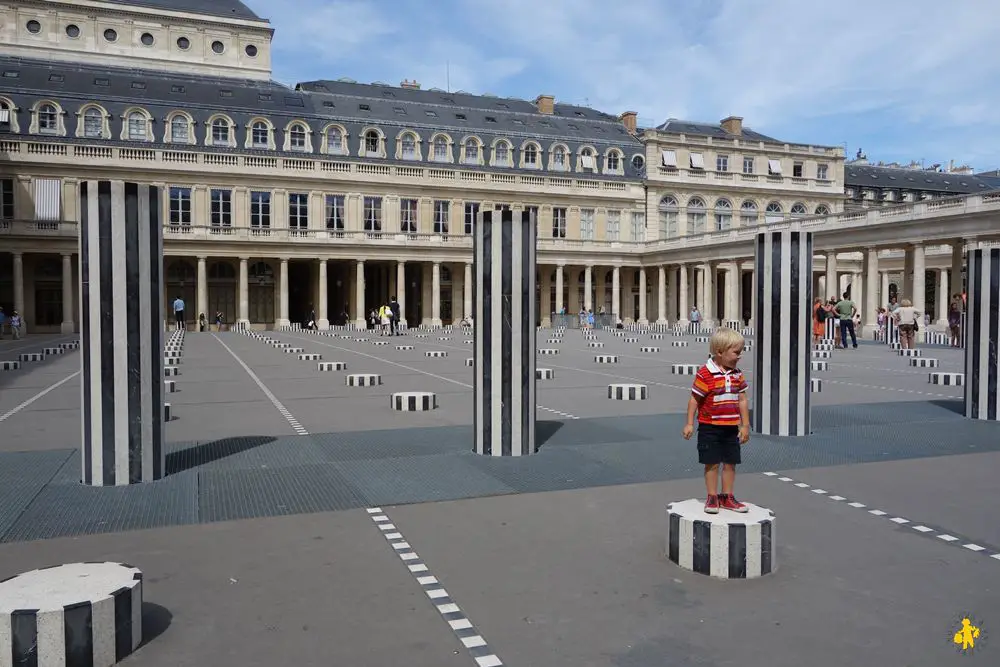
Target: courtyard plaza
284	529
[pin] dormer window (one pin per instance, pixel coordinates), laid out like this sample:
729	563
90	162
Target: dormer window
587	160
93	123
614	163
501	154
471	155
409	147
137	126
559	158
440	149
334	141
260	135
372	143
297	138
48	119
180	132
220	132
530	156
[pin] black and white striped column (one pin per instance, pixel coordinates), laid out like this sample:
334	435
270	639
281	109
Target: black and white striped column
504	302
725	545
982	358
781	389
121	332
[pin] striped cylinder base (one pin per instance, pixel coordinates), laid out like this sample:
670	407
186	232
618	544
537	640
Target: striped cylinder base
71	615
910	352
310	357
820	354
544	374
53	350
727	545
294	350
171	371
823	347
404	348
684	369
815	385
553	341
413	401
363	380
169	386
444	337
470	363
952	379
820	365
924	363
630	340
31	356
596	345
656	336
628	392
702	339
679	343
332	366
74	345
895	346
651	350
606	359
548	351
10	365
435	354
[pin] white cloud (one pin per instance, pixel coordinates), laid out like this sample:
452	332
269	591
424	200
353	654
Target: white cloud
920	65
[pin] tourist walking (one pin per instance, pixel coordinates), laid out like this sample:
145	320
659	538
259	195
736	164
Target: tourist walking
719	400
906	320
955	320
394	307
819	320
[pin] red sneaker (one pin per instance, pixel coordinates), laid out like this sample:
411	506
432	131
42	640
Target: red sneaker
729	502
712	505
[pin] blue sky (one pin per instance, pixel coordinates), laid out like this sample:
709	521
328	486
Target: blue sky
902	79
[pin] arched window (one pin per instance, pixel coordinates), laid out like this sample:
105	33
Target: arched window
48	119
471	153
297	137
220	132
773	212
334	141
587	160
440	149
260	135
372	142
558	158
723	214
137	126
93	123
748	214
613	162
408	146
530	156
181	272
501	153
822	209
668	217
798	209
696	215
180	129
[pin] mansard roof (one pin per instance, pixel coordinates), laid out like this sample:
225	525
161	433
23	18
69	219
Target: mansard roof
218	8
316	103
715	130
872	176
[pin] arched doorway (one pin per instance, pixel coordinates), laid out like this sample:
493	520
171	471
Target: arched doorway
222	291
261	293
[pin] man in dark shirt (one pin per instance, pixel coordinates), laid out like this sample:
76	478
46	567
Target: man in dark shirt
394	320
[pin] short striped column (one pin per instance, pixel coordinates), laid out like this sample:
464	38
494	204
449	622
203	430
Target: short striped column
504	303
982	359
121	340
727	545
831	323
781	388
891	331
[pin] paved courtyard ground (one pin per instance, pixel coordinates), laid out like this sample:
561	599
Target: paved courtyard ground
274	538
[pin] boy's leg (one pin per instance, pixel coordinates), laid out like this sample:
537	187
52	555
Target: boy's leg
712	479
728	478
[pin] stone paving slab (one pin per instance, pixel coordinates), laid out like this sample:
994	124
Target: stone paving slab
22	477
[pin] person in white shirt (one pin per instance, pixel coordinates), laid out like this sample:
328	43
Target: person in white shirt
179	314
906	319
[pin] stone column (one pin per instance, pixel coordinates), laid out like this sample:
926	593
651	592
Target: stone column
754	279
684	307
708	308
588	287
982	363
832	285
883	298
642	296
323	322
559	289
360	316
201	297
436	294
942	298
919	280
869	316
906	289
616	296
957	265
546	296
121	333
783	334
467	292
504	346
729	312
401	290
283	293
19	283
661	295
67	326
244	292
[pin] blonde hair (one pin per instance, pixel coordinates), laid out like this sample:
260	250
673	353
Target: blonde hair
906	303
724	339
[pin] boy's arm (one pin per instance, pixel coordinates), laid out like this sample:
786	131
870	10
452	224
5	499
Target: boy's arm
694	403
744	410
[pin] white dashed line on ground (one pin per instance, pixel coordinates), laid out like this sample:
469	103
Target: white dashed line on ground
920	528
17	408
289	417
459	623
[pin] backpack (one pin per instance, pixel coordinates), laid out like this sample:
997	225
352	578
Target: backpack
821	314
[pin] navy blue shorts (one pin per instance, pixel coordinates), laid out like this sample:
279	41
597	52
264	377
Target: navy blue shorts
718	444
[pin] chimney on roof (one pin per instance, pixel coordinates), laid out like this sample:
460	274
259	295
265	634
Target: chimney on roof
732	125
545	103
628	119
412	85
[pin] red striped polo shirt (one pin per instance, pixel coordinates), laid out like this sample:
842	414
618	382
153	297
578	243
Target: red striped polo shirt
719	391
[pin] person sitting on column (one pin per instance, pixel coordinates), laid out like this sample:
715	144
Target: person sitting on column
846	310
719	398
906	320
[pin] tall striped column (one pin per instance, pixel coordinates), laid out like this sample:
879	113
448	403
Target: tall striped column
982	359
121	332
781	387
504	302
